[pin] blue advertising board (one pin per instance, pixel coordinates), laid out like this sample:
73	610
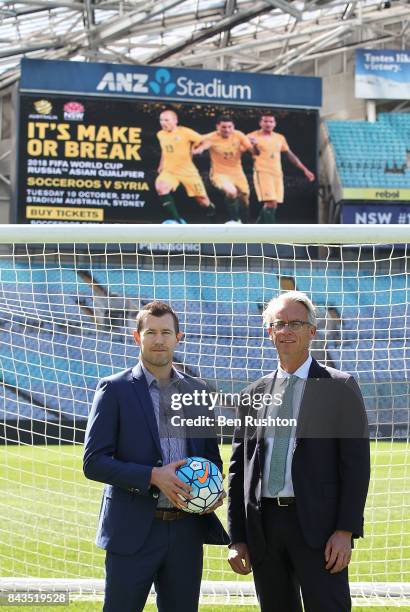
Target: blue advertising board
173	84
376	214
382	73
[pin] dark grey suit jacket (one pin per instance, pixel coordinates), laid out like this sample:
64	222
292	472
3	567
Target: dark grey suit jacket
330	466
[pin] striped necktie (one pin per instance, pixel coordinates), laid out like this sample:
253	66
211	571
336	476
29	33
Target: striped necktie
277	472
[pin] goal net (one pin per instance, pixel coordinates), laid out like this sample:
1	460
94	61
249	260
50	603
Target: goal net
68	300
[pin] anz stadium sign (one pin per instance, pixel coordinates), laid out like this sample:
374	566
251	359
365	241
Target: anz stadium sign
163	84
174	84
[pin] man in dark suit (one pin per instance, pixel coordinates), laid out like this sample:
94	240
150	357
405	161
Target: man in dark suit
142	526
296	494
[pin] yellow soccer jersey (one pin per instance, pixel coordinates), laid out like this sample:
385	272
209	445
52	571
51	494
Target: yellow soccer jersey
226	153
176	150
270	148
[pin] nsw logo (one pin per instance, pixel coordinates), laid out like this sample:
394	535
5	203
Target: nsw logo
74	111
162	83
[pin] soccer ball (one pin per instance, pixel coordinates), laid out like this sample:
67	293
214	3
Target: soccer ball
206	482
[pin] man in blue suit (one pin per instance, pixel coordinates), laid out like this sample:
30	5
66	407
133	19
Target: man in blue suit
142	526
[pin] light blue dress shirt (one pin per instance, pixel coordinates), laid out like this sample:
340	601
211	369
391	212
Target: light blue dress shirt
172	449
302	374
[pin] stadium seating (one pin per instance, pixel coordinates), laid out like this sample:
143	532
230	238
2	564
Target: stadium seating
372	154
53	353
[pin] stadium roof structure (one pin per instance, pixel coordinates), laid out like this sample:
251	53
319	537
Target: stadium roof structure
278	36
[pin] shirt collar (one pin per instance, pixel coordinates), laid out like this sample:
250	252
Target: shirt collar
150	378
302	372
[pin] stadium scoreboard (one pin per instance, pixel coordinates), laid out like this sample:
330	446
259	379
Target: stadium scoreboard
88	150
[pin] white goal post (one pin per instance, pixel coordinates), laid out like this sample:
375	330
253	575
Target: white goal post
220	233
68	298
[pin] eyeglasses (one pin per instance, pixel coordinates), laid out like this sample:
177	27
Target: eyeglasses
293	325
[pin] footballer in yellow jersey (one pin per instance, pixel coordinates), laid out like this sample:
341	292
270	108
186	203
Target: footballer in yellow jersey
176	166
267	167
226	146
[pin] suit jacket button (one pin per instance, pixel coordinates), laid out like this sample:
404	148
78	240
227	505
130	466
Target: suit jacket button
155	495
159	462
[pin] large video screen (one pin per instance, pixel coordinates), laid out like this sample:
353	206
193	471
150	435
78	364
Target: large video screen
104	159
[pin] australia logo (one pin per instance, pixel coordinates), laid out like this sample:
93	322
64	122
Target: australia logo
43	107
163	82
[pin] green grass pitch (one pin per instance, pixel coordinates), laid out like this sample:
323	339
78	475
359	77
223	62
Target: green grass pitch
49	516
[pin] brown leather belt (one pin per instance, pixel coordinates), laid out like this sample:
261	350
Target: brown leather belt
169	514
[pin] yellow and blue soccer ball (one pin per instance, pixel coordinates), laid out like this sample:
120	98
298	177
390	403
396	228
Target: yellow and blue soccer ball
206	481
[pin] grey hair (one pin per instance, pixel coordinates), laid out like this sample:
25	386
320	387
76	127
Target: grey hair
291	296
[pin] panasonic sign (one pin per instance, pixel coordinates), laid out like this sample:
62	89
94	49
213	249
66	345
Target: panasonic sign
131	82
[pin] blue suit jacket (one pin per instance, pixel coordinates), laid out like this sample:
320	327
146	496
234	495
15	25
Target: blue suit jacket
121	448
